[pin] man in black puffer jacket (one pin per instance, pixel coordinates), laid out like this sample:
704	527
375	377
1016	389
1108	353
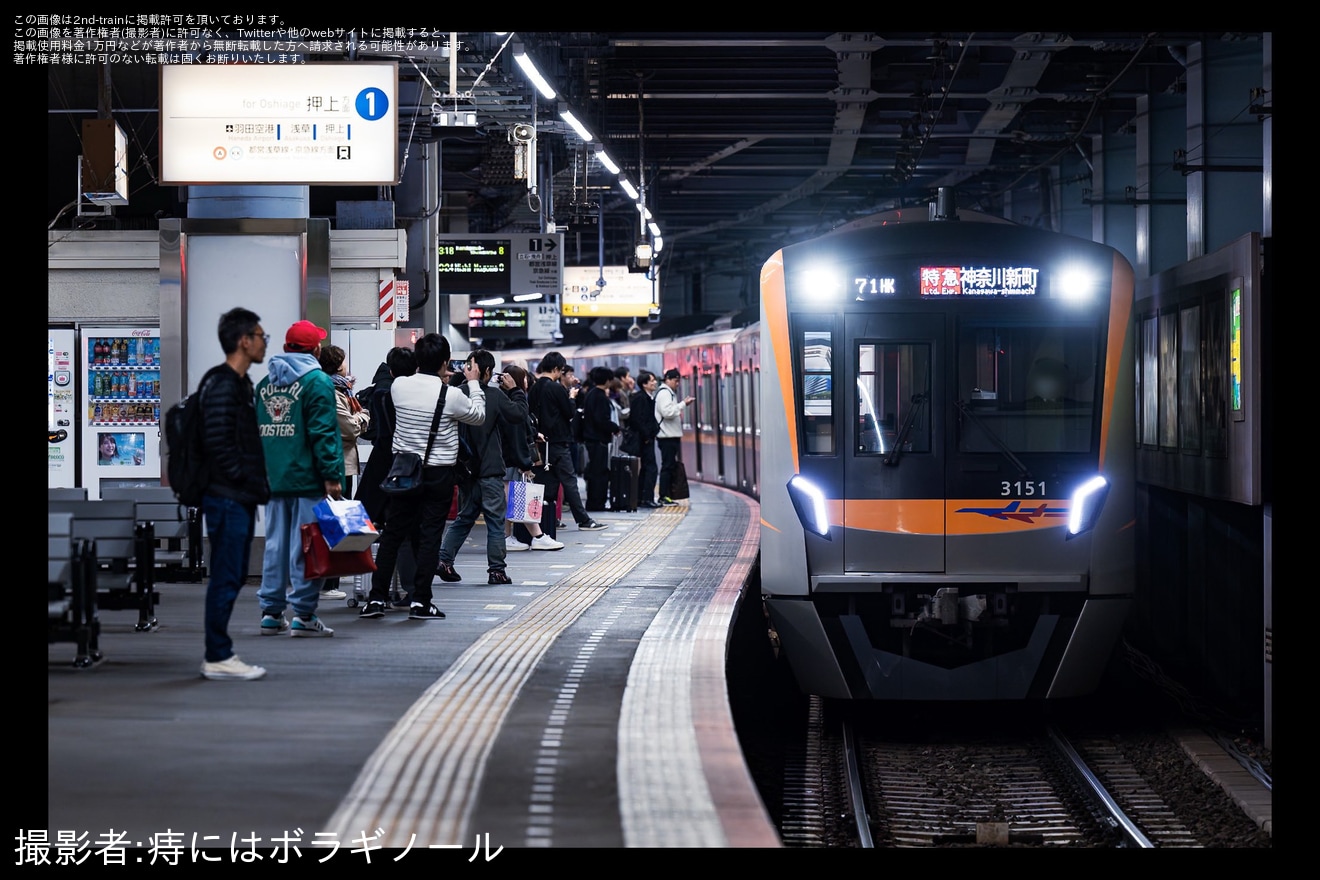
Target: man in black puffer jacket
236	467
486	497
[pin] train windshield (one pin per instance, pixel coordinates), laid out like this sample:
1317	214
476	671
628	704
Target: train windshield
1026	388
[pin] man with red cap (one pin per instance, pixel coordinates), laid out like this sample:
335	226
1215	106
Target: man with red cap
299	425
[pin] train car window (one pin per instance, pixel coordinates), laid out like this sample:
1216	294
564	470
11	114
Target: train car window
1149	379
1189	380
1027	388
889	376
1168	380
817	373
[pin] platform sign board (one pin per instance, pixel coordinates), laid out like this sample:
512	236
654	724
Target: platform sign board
624	295
485	266
315	124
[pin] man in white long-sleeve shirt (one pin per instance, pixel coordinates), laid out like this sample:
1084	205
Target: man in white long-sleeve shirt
669	415
415	400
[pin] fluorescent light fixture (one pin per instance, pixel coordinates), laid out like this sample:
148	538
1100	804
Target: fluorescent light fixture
492	301
526	297
644	211
629	188
567	115
525	62
605	160
655	229
658	243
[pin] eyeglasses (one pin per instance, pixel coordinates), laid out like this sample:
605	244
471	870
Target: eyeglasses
264	337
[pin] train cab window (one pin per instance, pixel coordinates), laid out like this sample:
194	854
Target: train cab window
891	379
817	375
1026	388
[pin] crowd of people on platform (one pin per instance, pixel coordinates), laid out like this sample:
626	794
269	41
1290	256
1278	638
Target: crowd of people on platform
291	440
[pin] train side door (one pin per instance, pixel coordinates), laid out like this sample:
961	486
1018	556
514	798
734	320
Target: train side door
893	444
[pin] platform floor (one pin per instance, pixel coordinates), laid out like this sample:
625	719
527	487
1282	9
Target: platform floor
584	705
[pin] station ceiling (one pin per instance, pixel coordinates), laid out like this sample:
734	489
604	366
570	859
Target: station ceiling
741	143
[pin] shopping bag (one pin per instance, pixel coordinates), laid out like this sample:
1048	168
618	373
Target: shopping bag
405	476
678	483
345	524
525	502
319	562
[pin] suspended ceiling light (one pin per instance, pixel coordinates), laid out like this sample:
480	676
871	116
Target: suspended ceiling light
605	160
655	230
528	67
526	297
629	188
567	115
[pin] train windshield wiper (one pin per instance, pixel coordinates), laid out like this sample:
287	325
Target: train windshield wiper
918	401
994	438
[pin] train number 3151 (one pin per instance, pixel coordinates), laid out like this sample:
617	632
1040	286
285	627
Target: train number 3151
1020	489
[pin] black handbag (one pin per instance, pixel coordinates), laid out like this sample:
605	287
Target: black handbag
678	482
405	476
631	444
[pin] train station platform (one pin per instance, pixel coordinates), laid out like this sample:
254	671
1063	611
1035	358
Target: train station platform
583	705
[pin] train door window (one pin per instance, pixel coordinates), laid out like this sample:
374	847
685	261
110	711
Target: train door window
1149	392
1189	380
889	376
817	372
1026	387
1168	380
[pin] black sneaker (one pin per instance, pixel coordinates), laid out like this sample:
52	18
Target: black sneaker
425	612
498	576
447	573
591	526
372	609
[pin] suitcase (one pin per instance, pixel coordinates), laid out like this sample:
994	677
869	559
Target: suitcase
624	470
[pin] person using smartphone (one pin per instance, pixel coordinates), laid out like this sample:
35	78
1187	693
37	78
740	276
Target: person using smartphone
669	415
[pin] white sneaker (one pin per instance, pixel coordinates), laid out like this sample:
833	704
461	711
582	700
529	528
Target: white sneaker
513	545
333	594
545	542
232	669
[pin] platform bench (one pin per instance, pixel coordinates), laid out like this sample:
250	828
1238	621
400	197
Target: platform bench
177	527
125	555
71	590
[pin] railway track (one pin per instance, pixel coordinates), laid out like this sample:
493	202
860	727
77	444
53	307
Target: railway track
859	785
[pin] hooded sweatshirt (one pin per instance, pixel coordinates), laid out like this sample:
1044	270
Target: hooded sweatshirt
296	415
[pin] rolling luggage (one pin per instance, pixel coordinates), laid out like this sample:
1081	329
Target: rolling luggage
624	470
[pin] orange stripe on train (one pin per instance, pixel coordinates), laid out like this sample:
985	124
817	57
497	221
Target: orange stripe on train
936	516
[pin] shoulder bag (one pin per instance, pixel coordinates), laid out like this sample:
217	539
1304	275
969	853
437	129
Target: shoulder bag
405	476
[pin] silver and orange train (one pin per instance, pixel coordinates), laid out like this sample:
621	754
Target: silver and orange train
936	413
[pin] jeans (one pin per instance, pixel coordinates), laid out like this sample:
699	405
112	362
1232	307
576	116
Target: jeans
560	473
488	499
282	567
425	513
669	448
229	527
646	478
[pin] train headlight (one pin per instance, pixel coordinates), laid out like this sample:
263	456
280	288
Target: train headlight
809	502
1087	502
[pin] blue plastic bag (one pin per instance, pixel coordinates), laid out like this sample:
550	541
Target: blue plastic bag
345	524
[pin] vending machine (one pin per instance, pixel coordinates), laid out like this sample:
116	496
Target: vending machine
120	380
61	409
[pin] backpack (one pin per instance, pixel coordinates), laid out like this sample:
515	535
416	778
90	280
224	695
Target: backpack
189	471
364	397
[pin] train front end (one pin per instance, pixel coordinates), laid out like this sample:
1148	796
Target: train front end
947	492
